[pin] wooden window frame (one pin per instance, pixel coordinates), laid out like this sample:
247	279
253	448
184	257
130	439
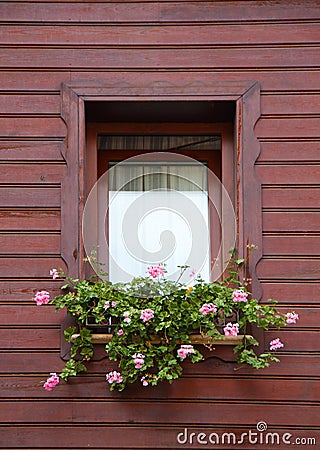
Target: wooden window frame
246	96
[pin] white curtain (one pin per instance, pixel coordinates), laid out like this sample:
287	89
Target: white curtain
158	213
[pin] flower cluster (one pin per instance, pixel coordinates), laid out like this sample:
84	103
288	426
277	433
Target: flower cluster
138	360
275	344
231	329
155	319
156	271
207	308
51	382
146	315
42	298
292	317
114	377
239	296
185	350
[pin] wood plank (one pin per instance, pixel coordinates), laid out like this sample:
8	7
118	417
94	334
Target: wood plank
225	388
29	220
42	361
206	34
290	104
285	127
29	244
30	151
288	174
294	80
27	81
29	338
291	245
30	315
293	269
136	436
294	340
161	412
24	197
23	290
156	12
150	57
292	293
39	173
34	127
29	104
293	151
308	316
29	267
291	221
293	197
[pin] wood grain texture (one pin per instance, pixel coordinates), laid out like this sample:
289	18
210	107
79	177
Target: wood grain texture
29	219
176	57
291	221
11	150
206	34
29	244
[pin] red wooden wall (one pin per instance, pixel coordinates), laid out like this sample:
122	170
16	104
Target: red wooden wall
46	43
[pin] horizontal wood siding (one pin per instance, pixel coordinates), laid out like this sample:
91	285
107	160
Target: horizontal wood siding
44	44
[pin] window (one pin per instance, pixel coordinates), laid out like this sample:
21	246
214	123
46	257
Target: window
164	197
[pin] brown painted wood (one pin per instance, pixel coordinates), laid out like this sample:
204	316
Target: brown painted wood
148	436
29	104
176	57
31	316
18	196
300	197
30	151
289	174
288	221
291	245
301	269
32	173
30	338
30	219
290	150
29	244
206	34
31	127
29	267
230	388
293	292
24	290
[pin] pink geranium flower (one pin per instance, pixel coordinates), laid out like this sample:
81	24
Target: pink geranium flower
120	332
42	298
207	308
138	360
54	273
146	314
239	296
144	381
291	317
126	315
275	344
114	377
156	271
231	329
51	382
185	350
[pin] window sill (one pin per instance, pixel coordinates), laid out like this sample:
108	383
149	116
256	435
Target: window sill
194	338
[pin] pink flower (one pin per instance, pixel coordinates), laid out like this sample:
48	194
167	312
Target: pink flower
146	314
207	308
107	304
54	273
126	315
231	329
114	377
292	317
42	298
185	350
120	332
192	273
155	271
138	360
239	296
144	381
51	382
276	343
